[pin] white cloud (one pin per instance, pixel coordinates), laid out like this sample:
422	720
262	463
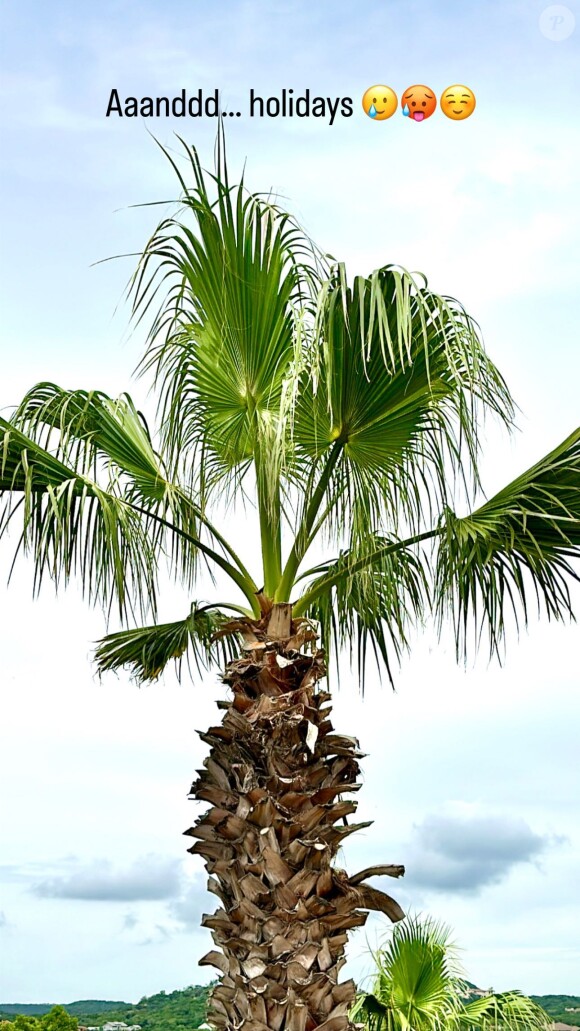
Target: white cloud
187	909
147	879
159	935
130	921
465	853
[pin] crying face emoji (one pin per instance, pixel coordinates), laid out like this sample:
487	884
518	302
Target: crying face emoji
418	103
379	102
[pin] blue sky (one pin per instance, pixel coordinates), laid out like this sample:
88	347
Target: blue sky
470	776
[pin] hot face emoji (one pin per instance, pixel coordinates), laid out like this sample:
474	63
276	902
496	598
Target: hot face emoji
379	102
418	102
457	102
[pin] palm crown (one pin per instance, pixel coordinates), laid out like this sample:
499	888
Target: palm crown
349	412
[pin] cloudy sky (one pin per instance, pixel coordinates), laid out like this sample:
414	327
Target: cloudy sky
471	776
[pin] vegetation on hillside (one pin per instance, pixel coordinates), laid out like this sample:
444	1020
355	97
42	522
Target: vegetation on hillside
56	1019
161	1012
82	1007
557	1006
168	1011
187	1009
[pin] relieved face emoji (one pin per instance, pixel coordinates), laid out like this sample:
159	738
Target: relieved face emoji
457	102
418	102
379	102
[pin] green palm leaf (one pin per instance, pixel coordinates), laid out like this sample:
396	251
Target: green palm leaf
415	986
71	525
396	379
97	434
520	543
523	542
91	426
418	986
373	606
225	341
510	1011
386	412
111	534
146	651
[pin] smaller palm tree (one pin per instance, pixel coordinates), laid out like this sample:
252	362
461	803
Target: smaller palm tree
419	986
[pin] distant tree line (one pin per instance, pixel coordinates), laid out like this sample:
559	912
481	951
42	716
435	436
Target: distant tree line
185	1009
169	1011
57	1019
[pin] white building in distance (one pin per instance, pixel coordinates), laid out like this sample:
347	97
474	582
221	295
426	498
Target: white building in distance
119	1025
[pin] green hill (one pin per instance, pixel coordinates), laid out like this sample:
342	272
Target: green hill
167	1011
38	1009
185	1010
555	1007
170	1011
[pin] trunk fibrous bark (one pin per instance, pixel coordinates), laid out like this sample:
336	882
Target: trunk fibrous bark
275	778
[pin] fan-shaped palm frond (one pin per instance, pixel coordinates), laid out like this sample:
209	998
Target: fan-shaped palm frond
71	525
418	985
521	542
92	426
416	982
386	415
226	338
146	651
360	604
100	435
95	500
507	1011
396	377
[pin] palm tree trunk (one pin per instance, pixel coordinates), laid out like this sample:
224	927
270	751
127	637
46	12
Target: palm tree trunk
275	780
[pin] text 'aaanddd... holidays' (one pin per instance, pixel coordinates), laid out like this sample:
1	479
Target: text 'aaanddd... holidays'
288	103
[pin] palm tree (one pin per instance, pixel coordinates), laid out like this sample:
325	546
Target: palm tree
349	414
418	986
